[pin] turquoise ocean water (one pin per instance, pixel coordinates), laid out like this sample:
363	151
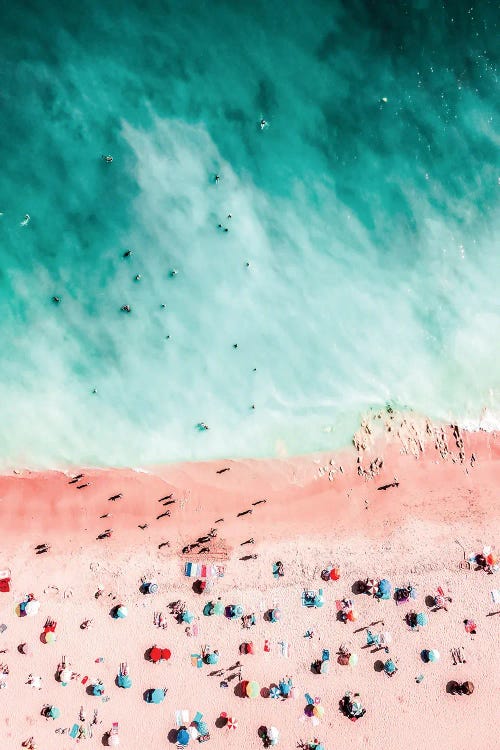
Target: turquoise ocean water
367	210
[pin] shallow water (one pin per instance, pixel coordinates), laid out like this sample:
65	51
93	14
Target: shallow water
369	225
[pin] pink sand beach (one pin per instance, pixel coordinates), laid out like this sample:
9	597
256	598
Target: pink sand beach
438	510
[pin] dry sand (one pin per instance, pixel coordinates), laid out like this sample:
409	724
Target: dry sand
315	514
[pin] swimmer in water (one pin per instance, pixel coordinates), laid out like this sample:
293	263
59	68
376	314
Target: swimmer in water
202	426
263	124
217	178
107	159
126	308
127	253
26	220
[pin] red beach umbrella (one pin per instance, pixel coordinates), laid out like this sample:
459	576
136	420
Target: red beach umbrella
155	654
166	654
232	723
334	574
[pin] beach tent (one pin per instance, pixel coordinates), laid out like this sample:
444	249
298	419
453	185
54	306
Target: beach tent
275	615
433	655
121	612
285	688
212	658
53	712
183	736
422	619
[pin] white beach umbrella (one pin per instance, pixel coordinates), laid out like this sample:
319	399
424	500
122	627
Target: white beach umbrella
32	607
66	675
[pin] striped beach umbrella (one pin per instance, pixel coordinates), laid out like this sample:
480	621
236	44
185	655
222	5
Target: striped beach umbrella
232	723
274	692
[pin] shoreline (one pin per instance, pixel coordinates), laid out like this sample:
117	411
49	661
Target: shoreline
342	488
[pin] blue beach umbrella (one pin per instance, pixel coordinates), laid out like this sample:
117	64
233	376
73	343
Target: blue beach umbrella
274	692
422	619
212	658
187	617
202	728
98	689
124	681
384	586
285	688
156	696
54	712
183	736
237	610
389	667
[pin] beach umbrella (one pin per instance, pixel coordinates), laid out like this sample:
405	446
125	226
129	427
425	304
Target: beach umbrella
274	692
468	687
433	655
50	637
384	586
124	681
389	667
273	735
319	711
166	654
385	638
26	649
155	654
353	660
121	612
352	615
202	728
237	610
422	619
285	688
187	617
372	586
232	723
98	689
183	736
275	615
212	658
218	608
65	676
54	712
113	740
252	689
31	608
151	588
334	574
156	696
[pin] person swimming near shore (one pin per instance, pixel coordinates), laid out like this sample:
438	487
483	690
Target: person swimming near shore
202	426
56	300
26	220
108	159
127	253
126	308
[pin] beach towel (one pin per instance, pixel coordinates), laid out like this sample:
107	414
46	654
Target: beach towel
196	660
309	699
201	570
284	649
198	717
74	731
